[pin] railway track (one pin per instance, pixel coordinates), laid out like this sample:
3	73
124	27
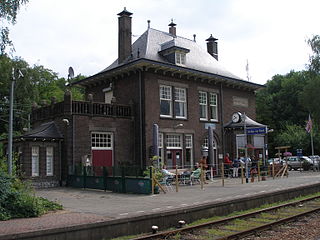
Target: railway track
242	225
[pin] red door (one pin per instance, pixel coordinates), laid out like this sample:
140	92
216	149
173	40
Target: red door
102	158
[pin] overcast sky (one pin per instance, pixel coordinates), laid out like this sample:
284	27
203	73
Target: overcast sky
270	34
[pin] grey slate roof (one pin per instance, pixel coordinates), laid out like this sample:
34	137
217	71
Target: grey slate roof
149	44
45	131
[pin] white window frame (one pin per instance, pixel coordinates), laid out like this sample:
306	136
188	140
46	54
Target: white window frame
174	141
206	143
35	161
160	146
165	93
180	58
203	103
180	98
101	140
213	103
49	160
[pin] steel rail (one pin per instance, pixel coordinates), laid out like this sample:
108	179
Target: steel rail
217	222
267	226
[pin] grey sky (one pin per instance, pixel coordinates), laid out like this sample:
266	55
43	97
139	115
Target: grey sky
271	34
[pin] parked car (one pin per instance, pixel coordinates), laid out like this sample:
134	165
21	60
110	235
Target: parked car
316	160
295	162
275	161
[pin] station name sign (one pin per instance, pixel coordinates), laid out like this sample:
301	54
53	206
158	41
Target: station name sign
254	131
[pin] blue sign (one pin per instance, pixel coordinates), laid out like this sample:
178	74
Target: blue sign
253	131
299	152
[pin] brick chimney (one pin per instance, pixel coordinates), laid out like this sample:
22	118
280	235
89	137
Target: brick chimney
124	40
212	46
172	28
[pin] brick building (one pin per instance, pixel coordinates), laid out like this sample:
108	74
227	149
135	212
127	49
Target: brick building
161	79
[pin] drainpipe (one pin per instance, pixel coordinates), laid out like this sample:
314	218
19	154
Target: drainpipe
60	163
140	113
221	119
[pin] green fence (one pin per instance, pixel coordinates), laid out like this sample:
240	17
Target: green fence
116	179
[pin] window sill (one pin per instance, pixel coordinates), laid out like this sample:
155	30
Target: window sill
165	116
182	118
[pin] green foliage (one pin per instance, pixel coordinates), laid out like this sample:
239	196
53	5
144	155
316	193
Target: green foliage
38	84
314	43
8	14
294	136
17	199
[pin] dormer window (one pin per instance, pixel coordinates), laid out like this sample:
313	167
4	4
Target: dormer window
174	52
180	58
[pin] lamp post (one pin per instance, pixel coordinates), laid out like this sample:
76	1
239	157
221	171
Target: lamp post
246	147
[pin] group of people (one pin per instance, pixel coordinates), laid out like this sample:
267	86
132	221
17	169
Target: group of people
229	165
236	164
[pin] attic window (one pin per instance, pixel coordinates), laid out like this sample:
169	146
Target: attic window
180	58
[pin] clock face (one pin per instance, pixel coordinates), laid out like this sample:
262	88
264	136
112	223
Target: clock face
236	117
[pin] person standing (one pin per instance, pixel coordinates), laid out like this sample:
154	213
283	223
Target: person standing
227	164
235	165
203	166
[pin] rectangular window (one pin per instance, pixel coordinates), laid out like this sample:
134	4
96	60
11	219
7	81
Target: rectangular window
49	160
165	101
101	140
174	141
180	58
188	141
160	145
189	151
35	161
213	107
203	105
180	105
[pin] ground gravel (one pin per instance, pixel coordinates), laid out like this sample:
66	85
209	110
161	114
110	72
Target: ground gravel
306	228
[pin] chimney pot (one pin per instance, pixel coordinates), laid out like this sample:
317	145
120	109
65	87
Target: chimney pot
172	28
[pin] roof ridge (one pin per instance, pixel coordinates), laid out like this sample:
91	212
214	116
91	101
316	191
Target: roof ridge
169	34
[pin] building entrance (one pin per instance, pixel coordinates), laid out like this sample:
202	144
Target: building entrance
174	157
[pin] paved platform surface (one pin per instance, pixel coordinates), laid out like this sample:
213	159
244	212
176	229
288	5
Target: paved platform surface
90	206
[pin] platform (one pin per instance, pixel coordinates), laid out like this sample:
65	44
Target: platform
90	214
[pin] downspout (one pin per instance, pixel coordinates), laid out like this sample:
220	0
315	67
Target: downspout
221	119
60	163
73	142
140	113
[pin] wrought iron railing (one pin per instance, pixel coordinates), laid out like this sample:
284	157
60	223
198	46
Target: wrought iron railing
82	108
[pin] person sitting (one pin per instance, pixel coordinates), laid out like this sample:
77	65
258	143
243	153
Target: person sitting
167	174
195	175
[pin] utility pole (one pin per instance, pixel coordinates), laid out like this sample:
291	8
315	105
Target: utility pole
11	119
10	124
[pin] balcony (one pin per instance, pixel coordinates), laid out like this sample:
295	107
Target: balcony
82	108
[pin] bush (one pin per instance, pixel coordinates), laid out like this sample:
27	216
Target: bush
17	199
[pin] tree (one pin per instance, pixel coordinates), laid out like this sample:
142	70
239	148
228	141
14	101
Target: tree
38	85
279	103
310	96
314	65
294	136
8	15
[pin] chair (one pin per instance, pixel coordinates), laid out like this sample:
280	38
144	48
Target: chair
185	178
167	181
195	176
